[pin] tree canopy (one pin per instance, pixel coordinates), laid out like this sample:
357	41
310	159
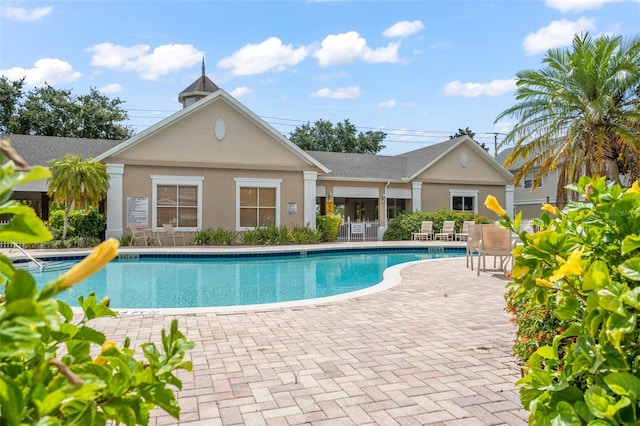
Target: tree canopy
468	132
77	182
324	136
47	111
579	114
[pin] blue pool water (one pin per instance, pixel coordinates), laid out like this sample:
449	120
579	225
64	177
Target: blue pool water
160	282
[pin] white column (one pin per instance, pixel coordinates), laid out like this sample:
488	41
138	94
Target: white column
508	200
114	201
416	196
309	195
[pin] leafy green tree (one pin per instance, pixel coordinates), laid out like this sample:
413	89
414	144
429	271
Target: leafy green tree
75	182
48	111
10	94
324	136
468	132
579	114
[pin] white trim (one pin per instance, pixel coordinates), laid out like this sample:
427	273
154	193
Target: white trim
309	197
356	192
258	183
399	193
416	196
176	180
464	193
115	201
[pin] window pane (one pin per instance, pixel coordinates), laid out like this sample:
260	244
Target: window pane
248	197
187	217
167	195
468	204
188	195
457	203
166	215
267	217
248	217
267	197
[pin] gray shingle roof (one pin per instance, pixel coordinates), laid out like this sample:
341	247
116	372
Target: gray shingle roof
380	167
40	150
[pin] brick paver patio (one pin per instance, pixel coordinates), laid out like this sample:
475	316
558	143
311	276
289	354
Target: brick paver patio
435	349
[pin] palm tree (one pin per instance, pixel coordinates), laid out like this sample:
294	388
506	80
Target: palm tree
580	114
75	182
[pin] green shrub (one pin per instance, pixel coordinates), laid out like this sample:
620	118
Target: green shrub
82	223
329	227
581	272
55	369
401	227
304	235
249	237
202	237
222	237
273	234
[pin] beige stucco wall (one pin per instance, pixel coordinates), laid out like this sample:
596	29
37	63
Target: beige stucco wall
450	169
437	196
218	191
190	141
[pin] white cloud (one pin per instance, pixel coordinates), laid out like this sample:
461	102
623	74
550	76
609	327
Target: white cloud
46	70
20	14
352	92
110	88
472	90
577	5
239	92
556	34
350	47
149	65
403	29
387	104
270	55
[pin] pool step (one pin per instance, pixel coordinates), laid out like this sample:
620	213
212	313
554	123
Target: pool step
51	265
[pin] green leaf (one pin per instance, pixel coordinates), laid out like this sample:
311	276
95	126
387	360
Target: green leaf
47	421
599	403
23	286
88	333
632	298
631	269
65	310
566	415
546	352
567	307
630	243
163	397
625	384
24	226
10	401
597	276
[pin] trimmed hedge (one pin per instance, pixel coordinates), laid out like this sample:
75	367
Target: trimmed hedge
329	227
403	226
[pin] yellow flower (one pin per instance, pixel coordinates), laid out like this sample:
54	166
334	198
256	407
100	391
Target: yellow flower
108	344
571	266
100	256
550	209
635	188
492	204
543	283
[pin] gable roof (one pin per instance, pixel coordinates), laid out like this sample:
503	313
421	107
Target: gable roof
40	150
403	167
219	95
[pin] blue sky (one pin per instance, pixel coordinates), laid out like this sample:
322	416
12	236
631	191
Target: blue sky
417	70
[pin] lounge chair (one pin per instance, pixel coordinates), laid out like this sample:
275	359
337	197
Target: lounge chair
448	231
464	230
170	232
426	231
495	241
137	234
473	240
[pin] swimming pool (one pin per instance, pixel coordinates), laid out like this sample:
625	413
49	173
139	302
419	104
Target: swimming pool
188	281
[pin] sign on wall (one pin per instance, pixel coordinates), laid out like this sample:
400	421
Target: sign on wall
329	207
138	212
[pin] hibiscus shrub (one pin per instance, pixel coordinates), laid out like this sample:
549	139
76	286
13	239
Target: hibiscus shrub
57	371
579	278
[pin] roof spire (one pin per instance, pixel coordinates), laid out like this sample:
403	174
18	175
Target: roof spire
203	66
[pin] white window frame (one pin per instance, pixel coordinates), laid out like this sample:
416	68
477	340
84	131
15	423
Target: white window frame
159	180
464	193
531	177
256	183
